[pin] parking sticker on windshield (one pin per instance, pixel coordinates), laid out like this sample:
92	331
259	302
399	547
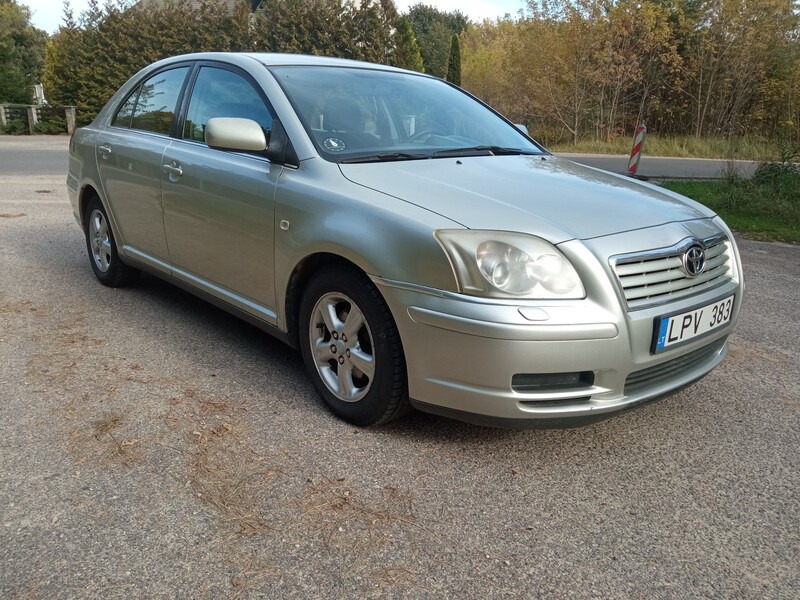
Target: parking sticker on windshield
334	144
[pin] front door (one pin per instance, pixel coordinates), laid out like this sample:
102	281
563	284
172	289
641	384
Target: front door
219	205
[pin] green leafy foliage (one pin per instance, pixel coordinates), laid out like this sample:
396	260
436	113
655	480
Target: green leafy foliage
434	30
21	53
92	56
574	70
406	52
52	126
766	206
15	127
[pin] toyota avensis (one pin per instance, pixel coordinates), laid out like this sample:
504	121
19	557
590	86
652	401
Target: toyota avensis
419	249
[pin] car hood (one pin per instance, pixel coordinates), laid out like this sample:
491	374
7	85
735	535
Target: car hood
547	196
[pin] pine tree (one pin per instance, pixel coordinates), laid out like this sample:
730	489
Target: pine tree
454	64
434	30
406	51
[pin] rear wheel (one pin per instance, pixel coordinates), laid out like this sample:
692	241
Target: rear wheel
351	348
103	256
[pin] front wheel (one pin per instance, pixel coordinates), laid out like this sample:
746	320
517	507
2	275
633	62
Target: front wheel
352	349
103	255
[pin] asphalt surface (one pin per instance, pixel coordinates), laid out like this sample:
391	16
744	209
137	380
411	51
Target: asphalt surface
50	154
151	446
660	167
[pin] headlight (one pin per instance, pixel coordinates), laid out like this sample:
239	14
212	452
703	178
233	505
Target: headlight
501	264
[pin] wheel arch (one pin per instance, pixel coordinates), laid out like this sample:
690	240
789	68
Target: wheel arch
298	281
88	192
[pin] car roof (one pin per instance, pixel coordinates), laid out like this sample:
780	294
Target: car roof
270	59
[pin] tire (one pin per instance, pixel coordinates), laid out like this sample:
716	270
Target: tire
362	379
102	248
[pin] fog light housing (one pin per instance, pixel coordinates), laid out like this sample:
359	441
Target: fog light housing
545	382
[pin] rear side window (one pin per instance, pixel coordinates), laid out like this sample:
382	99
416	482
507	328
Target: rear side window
125	112
222	93
152	105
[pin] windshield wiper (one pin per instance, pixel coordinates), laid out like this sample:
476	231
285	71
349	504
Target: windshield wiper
385	156
482	151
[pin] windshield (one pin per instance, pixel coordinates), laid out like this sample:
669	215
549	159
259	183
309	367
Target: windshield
364	115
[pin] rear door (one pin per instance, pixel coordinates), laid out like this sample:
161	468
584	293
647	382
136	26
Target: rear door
219	205
129	158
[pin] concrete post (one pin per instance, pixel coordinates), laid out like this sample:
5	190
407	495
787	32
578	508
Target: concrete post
32	119
69	111
3	118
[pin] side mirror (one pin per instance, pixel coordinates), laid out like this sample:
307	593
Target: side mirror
228	133
522	128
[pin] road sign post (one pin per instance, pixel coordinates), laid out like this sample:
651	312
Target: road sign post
636	151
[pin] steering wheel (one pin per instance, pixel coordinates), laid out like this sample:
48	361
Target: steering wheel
425	132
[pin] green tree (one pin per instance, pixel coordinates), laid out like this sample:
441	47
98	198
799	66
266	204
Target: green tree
634	56
321	27
486	56
454	62
22	48
372	31
406	51
735	52
62	63
434	31
89	58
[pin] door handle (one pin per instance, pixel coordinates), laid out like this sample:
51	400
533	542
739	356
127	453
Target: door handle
104	150
173	170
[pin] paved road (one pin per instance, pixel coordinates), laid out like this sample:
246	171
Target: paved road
153	446
34	156
48	155
658	167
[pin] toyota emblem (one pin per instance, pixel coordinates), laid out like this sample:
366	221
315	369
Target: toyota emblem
694	260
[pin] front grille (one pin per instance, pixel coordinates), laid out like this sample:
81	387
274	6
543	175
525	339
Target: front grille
657	276
651	376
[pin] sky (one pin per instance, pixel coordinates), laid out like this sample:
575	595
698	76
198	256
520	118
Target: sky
47	13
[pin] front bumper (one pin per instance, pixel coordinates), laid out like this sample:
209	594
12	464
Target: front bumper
462	354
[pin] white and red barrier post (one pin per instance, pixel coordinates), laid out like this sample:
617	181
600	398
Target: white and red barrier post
636	152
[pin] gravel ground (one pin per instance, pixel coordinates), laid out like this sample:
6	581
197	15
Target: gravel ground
153	446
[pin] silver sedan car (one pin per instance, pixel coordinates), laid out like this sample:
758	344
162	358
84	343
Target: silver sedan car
419	249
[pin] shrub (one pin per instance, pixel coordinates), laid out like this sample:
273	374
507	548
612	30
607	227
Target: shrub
53	125
15	127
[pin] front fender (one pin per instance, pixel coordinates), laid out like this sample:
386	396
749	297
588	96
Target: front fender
319	211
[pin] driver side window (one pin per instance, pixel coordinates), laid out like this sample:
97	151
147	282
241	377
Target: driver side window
222	93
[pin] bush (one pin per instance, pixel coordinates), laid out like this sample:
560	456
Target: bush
15	127
766	206
773	191
53	125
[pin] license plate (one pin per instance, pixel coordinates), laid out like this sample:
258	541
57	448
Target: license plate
675	330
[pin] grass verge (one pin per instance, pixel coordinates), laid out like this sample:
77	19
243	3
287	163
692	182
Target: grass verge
766	207
679	146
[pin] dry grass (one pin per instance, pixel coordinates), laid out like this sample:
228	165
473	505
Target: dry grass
20	307
223	469
333	504
251	573
32	593
104	442
358	528
680	146
387	578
